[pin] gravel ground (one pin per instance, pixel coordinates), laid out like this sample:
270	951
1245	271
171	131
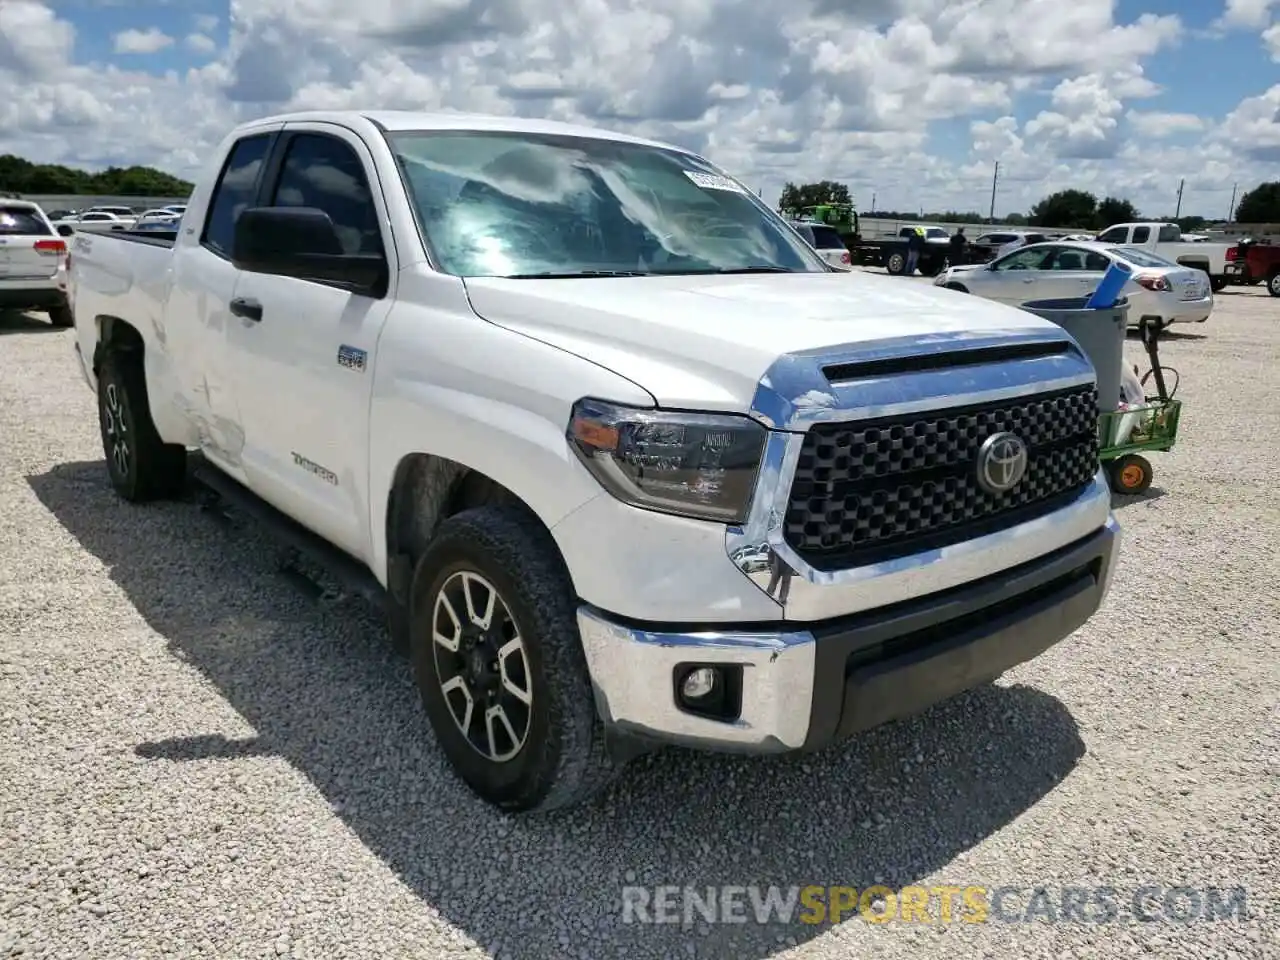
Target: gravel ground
200	758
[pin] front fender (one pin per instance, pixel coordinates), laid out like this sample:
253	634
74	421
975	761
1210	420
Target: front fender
450	384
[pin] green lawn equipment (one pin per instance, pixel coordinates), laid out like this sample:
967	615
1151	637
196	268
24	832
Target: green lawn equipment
1124	434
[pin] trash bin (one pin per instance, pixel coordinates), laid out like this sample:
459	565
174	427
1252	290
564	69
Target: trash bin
1100	334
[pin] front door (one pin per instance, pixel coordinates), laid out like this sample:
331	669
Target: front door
304	350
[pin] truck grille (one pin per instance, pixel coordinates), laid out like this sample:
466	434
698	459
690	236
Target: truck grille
874	490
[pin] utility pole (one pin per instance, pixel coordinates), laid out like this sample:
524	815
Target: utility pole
1178	212
1231	214
995	177
873	201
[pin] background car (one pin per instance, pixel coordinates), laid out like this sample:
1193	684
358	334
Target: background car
33	262
1046	271
826	241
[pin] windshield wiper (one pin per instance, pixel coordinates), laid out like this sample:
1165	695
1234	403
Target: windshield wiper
553	275
758	268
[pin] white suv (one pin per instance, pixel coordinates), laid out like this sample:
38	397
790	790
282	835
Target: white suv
826	241
33	262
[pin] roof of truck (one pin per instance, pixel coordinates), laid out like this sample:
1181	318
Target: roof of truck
420	120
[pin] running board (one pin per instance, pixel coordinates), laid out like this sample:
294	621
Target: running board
352	575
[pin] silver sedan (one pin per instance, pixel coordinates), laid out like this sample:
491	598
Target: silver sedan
1060	270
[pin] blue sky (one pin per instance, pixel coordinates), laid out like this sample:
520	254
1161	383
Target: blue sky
910	100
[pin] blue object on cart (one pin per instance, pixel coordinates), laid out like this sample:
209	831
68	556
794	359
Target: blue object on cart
1109	288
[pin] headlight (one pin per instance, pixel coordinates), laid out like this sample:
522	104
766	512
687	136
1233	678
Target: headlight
692	464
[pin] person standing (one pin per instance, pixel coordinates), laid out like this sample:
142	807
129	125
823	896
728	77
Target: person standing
915	244
959	246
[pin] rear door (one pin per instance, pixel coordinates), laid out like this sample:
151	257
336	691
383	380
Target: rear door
29	247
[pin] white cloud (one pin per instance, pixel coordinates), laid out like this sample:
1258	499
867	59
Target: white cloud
1155	124
199	43
1247	14
150	40
1055	92
1271	39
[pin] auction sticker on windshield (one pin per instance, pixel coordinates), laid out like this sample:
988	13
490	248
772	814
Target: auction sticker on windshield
709	181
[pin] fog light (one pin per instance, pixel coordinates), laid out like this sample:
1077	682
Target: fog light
698	683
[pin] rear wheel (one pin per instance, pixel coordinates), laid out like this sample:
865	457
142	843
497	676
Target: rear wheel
1130	474
61	316
1273	284
1217	284
142	467
499	665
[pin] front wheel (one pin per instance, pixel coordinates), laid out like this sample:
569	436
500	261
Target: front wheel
1273	284
499	664
896	264
141	466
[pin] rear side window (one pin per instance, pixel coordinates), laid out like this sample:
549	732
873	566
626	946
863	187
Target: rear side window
1141	234
234	191
824	238
325	173
22	222
1168	235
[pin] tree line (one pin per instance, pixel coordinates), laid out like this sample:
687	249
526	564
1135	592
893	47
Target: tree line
1077	209
19	176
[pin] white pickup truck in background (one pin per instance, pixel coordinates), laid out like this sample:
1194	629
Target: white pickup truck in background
627	463
1165	240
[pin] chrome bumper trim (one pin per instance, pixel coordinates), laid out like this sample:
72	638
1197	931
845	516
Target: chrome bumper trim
633	674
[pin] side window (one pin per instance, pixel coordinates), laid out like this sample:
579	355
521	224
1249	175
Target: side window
1168	234
234	192
323	172
1114	235
1065	258
1141	234
1097	263
1025	259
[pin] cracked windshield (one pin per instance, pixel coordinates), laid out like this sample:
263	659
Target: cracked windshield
555	206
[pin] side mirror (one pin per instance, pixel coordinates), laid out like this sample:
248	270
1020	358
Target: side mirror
66	230
302	242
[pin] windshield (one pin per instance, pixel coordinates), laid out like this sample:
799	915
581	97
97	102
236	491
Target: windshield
521	204
1140	258
935	233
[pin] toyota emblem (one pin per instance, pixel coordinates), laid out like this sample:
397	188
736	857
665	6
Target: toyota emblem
1002	463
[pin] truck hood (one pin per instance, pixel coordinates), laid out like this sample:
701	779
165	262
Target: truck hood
704	342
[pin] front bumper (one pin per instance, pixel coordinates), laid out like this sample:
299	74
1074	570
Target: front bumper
805	685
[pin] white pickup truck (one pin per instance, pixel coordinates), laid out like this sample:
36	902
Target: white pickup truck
627	463
1165	240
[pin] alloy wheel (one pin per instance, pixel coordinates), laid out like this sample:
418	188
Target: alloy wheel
482	665
115	430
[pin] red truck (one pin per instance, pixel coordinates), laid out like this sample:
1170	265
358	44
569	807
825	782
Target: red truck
1252	261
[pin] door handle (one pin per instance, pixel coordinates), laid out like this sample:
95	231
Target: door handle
249	309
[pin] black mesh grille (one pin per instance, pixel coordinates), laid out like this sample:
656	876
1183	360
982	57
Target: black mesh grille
874	490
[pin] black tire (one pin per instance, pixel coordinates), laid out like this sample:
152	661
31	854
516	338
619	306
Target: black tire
959	287
896	264
1130	474
1217	284
562	759
61	316
1273	284
142	467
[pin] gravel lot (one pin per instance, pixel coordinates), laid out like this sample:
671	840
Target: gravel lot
199	757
